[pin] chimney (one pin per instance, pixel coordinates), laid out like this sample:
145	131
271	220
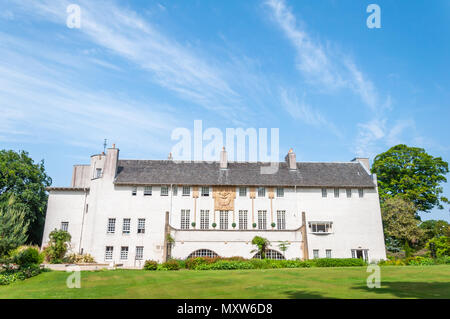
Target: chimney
223	159
170	156
364	161
291	160
112	160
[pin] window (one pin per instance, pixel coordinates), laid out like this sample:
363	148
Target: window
360	253
65	226
109	252
186	190
204	219
124	252
126	226
98	173
205	191
281	219
175	190
320	227
324	192
134	191
280	192
262	219
164	190
270	254
243	219
141	226
223	219
185	218
316	253
203	253
261	192
361	192
139	252
336	192
349	192
243	191
111	225
328	253
147	191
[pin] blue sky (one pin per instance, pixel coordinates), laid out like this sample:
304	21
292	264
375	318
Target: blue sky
137	70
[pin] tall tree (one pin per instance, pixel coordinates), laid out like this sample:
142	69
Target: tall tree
412	174
399	220
13	229
434	228
26	181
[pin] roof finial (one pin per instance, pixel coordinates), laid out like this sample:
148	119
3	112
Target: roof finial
170	156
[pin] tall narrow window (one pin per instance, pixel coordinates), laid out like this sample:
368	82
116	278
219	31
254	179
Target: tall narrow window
109	252
164	190
111	226
204	219
316	253
280	192
349	192
205	191
262	219
98	173
223	219
361	192
147	191
141	226
328	253
261	192
65	226
134	191
336	192
185	218
243	221
281	219
242	191
126	226
174	190
324	192
139	252
186	190
124	252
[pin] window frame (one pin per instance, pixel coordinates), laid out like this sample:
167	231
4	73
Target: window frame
133	190
348	192
280	192
328	227
185	219
337	192
128	223
281	219
148	191
109	252
262	219
66	228
324	192
165	192
141	226
139	255
204	219
361	192
122	250
108	226
204	191
261	192
243	219
188	193
242	191
223	220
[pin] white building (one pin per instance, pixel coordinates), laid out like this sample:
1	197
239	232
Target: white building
127	211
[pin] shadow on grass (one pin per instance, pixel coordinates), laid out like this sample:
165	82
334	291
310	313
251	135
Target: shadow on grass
425	290
299	294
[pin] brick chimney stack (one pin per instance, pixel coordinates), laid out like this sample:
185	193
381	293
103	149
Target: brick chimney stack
291	160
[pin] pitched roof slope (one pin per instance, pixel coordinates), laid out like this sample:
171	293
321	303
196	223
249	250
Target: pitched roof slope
157	172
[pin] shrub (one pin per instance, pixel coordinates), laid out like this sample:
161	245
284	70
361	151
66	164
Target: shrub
150	265
225	265
59	243
441	245
78	258
420	261
171	265
10	276
339	262
443	260
28	256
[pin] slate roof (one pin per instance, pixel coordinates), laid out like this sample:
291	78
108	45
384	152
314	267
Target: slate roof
166	172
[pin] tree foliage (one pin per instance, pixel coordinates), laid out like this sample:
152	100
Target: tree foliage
13	229
58	246
262	244
435	228
399	220
413	174
26	181
441	245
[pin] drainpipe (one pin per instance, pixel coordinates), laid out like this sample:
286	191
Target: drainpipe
82	220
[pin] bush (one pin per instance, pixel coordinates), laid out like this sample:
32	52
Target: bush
10	276
443	260
77	259
59	243
171	265
420	261
150	265
339	262
27	257
225	265
441	245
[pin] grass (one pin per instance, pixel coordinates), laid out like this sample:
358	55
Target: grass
350	282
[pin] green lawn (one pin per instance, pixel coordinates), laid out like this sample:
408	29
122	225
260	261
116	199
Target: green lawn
396	282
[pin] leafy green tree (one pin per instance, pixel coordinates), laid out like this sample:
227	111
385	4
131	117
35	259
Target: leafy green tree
441	245
13	229
434	228
262	244
413	174
26	181
58	246
399	221
284	245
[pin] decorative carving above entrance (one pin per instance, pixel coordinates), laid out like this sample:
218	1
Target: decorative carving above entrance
224	197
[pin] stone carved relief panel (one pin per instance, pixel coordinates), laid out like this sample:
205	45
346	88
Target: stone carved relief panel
224	197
